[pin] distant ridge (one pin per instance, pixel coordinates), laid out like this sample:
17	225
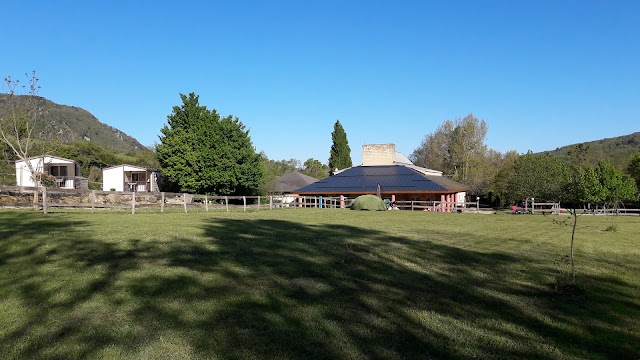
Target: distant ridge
72	123
618	150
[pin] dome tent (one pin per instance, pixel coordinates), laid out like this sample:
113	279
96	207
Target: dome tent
367	202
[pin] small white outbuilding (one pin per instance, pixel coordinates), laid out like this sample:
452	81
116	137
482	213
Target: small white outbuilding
129	178
63	171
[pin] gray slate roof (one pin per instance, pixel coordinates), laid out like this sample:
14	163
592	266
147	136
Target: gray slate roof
392	178
289	182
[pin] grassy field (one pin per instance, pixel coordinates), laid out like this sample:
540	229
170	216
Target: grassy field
312	283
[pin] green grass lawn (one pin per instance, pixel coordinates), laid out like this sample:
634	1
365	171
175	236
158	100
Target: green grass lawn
309	283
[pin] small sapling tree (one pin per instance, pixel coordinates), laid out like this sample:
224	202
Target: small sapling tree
581	186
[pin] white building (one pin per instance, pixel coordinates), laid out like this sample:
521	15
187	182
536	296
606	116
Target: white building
62	170
129	178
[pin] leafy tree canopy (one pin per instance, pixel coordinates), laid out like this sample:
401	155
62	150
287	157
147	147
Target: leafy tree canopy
315	169
456	148
634	168
201	152
616	186
532	175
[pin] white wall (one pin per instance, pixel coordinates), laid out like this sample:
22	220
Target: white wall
113	178
23	174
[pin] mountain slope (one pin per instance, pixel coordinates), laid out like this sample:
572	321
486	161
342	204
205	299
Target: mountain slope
618	150
72	123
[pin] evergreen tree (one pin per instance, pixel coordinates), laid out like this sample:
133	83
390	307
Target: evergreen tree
340	155
200	152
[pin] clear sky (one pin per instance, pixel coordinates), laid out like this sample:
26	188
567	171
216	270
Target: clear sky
542	73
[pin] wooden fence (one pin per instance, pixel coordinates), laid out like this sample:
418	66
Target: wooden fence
95	200
51	198
438	206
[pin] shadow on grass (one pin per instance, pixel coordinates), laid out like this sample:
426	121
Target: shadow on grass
281	289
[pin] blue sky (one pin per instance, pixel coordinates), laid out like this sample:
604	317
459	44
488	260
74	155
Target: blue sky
543	74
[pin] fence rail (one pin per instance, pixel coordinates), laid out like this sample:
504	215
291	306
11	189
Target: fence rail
51	198
57	198
553	208
438	206
616	211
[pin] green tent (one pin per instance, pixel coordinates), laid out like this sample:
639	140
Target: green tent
367	202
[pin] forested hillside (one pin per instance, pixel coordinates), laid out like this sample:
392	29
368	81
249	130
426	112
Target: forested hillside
71	123
618	150
77	135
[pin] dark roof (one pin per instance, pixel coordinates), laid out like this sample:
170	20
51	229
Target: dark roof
289	182
391	178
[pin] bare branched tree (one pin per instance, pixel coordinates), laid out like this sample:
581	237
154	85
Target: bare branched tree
19	117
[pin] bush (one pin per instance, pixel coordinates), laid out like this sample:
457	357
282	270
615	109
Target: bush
47	180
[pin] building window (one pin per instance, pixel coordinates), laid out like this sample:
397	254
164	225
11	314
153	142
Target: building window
139	177
58	170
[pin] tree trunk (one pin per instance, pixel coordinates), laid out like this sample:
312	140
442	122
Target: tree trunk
573	234
36	200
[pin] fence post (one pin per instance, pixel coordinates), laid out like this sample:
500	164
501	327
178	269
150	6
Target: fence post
184	201
258	202
226	202
162	202
411	205
44	200
477	205
244	203
270	202
533	205
93	201
206	203
133	202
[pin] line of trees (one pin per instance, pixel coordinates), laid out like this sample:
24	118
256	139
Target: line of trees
202	152
457	147
199	151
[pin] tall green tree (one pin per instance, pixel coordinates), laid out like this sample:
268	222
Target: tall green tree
457	149
200	152
340	155
500	181
617	187
433	152
532	175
